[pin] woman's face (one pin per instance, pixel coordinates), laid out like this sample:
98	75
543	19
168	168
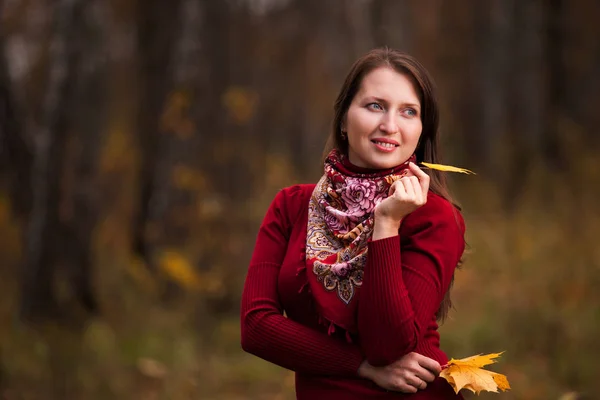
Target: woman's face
383	122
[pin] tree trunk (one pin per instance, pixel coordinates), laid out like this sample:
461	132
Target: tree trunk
493	32
15	152
157	29
526	100
79	207
38	299
556	80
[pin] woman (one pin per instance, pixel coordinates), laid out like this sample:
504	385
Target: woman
361	262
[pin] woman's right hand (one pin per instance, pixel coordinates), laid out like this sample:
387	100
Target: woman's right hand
407	375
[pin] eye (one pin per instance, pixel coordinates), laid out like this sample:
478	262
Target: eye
411	112
375	106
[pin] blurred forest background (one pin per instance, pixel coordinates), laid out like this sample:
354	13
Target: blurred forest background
142	141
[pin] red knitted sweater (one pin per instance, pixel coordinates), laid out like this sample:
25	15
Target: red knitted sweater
404	282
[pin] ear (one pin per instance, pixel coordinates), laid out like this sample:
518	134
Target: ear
343	123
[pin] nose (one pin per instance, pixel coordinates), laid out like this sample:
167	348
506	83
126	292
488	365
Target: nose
388	124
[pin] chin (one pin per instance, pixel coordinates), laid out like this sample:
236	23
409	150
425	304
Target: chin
385	164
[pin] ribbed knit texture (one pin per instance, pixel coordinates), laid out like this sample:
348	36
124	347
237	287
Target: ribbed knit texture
405	280
269	335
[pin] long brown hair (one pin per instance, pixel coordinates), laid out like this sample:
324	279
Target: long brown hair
427	149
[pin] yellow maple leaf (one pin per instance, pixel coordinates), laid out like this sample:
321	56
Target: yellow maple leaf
477	360
447	168
467	373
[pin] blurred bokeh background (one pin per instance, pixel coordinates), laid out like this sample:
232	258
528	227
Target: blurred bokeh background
142	141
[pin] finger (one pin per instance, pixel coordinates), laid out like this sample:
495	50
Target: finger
407	172
429	364
418	172
425	188
425	375
417	188
416	382
399	189
393	188
405	388
421	175
408	187
424	181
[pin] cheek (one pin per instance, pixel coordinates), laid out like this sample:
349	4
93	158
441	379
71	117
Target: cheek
361	123
414	133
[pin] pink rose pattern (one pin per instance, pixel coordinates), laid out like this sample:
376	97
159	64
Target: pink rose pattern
359	196
337	220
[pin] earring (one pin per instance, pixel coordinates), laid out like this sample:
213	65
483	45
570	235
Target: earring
343	135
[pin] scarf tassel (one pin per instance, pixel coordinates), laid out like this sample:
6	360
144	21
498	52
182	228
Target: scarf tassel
303	287
332	328
348	337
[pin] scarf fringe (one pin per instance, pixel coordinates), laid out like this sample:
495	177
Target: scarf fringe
332	327
305	285
348	337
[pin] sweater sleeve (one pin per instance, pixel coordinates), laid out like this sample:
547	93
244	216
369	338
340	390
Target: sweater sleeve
405	280
265	332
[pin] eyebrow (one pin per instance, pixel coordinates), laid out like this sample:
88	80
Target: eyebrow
380	100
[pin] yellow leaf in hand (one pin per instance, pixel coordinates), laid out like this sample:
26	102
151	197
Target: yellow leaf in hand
447	168
476	361
468	374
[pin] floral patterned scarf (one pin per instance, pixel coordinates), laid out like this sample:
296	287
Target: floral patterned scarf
340	223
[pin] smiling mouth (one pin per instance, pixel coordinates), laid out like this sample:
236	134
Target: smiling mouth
385	144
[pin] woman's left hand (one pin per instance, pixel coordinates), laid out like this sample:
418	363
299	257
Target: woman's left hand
406	195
